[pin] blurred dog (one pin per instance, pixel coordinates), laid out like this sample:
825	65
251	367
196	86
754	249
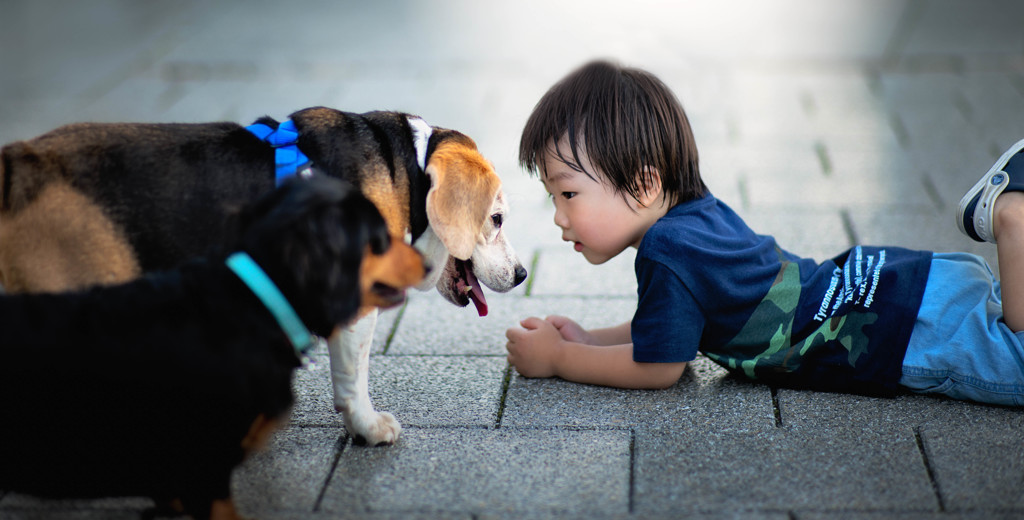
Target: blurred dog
160	387
102	203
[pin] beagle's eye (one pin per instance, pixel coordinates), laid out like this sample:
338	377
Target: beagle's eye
496	219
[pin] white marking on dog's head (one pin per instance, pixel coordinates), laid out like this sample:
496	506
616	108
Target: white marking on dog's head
420	139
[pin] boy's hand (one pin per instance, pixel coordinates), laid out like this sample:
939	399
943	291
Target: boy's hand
570	330
534	349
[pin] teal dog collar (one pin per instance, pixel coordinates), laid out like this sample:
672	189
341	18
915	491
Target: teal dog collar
261	285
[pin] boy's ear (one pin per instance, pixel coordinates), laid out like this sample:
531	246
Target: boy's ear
650	184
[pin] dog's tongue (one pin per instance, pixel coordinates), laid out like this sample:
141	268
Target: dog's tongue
476	293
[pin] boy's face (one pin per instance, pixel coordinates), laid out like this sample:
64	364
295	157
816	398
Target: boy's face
600	222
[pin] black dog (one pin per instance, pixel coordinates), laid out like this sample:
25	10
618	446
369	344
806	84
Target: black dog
160	387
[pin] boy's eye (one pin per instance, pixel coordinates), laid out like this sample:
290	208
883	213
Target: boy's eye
568	194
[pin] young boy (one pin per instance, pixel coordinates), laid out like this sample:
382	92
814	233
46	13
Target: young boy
614	150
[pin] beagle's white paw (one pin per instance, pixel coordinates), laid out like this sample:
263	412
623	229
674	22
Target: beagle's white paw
373	429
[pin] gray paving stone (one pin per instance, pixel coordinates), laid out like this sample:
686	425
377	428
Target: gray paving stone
953	437
978	462
290	474
422	391
807	410
705	397
431	325
486	470
982	514
439	390
779	469
314	396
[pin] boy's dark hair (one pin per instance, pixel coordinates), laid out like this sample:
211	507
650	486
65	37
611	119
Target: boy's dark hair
627	120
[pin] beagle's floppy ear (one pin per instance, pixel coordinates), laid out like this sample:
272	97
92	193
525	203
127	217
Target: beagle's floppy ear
463	186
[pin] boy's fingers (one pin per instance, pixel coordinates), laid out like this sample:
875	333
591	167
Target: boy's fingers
558	321
513	334
531	323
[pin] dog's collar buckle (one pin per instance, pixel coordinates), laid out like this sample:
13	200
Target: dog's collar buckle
263	287
288	159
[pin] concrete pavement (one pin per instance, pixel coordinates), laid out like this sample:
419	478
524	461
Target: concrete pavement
826	124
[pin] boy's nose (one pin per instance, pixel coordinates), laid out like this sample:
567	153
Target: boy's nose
560	220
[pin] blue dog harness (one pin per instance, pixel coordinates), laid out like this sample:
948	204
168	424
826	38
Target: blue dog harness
263	287
288	159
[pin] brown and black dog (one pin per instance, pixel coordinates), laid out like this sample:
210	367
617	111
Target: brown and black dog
103	203
161	386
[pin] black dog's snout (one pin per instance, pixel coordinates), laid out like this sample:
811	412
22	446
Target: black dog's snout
520	274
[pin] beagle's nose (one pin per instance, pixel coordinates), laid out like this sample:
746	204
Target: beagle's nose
520	274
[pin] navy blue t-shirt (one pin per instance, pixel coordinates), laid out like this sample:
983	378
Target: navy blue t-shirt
707	282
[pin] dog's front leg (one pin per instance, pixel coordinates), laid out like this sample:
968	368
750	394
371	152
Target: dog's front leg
349	348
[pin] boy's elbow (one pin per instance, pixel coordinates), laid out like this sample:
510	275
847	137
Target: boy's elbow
661	384
664	375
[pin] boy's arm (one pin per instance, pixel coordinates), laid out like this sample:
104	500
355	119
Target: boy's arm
571	331
617	335
539	350
614	366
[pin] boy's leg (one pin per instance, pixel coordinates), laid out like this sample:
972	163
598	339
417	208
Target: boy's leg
993	211
1008	228
961	347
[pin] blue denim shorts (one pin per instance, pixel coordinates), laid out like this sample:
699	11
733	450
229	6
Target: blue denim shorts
960	346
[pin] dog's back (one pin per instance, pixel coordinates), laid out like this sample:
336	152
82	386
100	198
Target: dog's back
104	202
145	178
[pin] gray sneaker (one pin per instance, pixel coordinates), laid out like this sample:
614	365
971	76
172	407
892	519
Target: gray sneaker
974	215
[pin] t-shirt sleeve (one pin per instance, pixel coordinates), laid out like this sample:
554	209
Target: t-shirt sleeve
668	323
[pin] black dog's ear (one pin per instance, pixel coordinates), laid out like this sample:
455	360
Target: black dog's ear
310	235
344	232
